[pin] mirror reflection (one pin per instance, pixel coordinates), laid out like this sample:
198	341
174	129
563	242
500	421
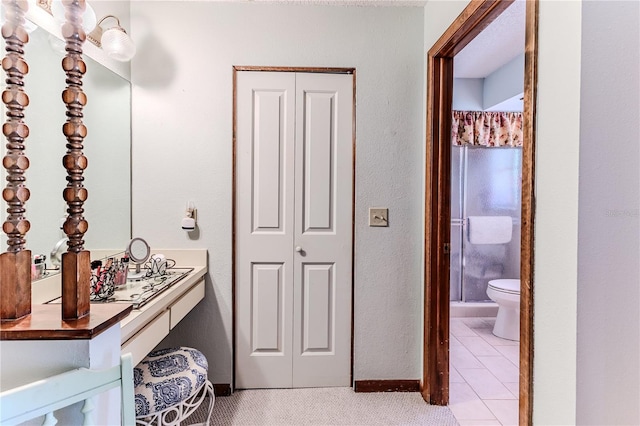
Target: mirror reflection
107	146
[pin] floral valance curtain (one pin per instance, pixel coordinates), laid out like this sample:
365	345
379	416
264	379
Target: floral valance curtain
486	128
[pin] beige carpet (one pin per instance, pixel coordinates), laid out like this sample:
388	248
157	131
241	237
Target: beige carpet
324	406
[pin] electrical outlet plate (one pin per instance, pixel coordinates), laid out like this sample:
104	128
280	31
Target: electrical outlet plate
378	216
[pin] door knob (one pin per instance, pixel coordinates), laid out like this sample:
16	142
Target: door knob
299	249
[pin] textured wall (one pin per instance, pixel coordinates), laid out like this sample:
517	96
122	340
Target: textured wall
494	92
504	83
182	150
467	94
609	233
556	226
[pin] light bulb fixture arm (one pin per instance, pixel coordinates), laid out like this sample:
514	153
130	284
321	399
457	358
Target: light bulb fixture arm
114	40
95	36
109	16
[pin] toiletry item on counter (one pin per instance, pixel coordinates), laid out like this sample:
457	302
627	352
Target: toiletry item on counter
105	276
122	268
158	265
96	276
38	266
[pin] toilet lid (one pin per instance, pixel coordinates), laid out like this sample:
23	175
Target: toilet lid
506	286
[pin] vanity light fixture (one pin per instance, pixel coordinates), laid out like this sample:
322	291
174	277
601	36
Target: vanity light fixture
114	40
56	8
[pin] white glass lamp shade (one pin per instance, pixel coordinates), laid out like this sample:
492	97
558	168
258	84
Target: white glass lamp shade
117	44
89	18
28	25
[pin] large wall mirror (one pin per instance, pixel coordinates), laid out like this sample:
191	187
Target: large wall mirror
107	116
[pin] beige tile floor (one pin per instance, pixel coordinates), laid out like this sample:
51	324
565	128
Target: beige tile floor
483	374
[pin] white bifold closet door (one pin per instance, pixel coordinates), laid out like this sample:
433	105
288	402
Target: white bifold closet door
293	233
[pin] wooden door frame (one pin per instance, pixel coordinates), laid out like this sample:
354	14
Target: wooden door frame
473	19
325	70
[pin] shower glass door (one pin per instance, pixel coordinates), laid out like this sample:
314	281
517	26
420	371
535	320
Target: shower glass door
457	192
484	182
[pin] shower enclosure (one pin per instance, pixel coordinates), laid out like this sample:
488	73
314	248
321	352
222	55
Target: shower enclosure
484	182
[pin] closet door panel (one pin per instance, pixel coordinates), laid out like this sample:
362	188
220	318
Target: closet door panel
265	118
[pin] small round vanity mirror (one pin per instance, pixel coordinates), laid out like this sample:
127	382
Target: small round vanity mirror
138	251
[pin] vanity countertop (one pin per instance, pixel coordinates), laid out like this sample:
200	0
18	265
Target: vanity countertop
45	321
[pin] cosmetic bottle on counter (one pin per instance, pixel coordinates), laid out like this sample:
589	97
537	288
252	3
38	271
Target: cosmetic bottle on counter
122	268
38	266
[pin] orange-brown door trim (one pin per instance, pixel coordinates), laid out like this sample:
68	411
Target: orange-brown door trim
473	19
528	213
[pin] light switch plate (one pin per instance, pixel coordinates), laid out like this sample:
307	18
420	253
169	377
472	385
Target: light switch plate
378	216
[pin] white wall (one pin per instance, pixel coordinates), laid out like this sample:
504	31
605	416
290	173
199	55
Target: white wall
608	370
556	238
504	83
499	91
467	94
182	150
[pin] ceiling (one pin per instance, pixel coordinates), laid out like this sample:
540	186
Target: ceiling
496	45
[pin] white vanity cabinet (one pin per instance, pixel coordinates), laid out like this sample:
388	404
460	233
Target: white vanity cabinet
145	327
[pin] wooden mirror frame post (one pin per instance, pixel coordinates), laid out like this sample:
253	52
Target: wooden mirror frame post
15	264
76	262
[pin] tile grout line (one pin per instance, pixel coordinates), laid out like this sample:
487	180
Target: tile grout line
484	367
501	355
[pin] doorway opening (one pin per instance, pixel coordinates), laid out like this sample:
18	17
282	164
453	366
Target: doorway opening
476	17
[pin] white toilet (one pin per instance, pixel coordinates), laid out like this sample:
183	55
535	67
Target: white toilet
506	293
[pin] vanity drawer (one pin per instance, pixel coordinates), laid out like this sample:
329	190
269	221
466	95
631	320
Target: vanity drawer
185	304
141	343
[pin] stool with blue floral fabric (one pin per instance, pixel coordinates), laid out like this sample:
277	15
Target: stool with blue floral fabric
170	384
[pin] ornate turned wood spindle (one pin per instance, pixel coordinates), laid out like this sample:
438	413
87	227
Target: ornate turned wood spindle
76	263
15	264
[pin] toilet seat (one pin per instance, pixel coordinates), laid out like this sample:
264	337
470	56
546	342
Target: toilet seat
509	286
